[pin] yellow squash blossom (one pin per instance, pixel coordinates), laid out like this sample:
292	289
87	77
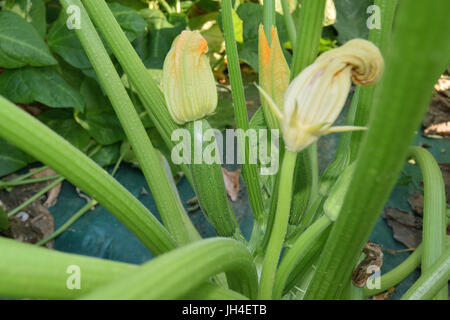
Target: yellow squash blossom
188	82
317	95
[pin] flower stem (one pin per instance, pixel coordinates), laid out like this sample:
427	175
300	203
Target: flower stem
279	228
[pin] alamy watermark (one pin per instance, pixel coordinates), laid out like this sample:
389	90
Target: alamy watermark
209	145
74	279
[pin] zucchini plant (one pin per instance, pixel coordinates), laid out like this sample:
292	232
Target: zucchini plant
309	233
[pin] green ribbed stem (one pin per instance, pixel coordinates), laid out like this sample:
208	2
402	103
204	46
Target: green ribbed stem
279	227
434	211
161	277
431	282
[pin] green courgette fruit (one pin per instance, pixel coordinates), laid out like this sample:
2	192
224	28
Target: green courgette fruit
208	183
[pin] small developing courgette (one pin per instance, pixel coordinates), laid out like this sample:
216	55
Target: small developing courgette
209	185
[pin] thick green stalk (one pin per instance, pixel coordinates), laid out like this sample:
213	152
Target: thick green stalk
161	277
27	271
250	173
296	252
17	127
408	81
432	281
166	197
279	227
147	89
434	226
381	38
309	30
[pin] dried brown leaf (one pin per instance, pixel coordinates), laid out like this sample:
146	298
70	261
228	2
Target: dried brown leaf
231	180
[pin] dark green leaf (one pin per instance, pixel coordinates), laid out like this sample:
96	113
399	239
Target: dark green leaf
12	158
107	155
63	123
32	11
99	118
21	44
351	19
130	21
43	85
153	47
224	116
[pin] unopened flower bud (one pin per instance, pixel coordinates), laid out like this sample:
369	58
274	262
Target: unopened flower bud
273	73
317	95
188	82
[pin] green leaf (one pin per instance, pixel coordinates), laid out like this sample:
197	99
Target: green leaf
154	47
33	13
130	21
99	118
107	155
43	85
351	19
21	44
12	158
66	44
224	116
62	122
